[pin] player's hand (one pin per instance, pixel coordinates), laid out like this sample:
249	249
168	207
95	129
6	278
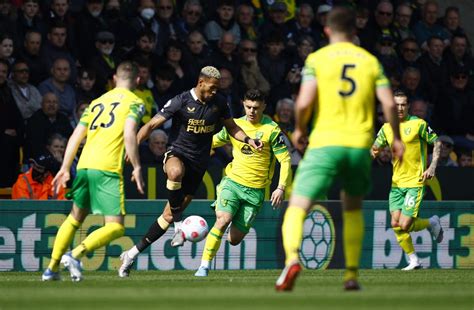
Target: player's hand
137	178
277	197
299	140
256	144
374	151
127	158
60	180
428	174
398	149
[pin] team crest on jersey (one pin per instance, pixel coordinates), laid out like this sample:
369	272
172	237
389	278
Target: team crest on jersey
246	149
407	131
259	135
191	110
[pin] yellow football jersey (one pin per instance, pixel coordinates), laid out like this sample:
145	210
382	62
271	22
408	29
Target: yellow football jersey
416	135
252	168
149	103
347	78
105	120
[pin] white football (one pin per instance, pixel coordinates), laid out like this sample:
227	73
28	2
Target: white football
194	228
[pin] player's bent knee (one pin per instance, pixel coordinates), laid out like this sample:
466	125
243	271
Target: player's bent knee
394	223
117	229
234	241
405	226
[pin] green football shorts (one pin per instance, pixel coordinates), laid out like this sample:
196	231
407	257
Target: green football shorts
241	201
321	166
99	190
406	199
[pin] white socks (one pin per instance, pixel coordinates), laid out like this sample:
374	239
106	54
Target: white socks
177	225
413	257
205	263
133	252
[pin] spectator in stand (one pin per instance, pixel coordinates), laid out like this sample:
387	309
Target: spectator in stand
145	20
284	117
452	21
43	124
246	19
252	76
145	49
447	147
419	108
88	24
382	25
55	47
402	21
409	53
162	90
320	23
116	23
11	131
384	159
432	70
411	83
363	31
85	86
192	17
31	54
466	141
302	24
277	12
458	55
143	92
59	11
6	48
230	90
27	97
196	55
455	108
36	183
465	158
224	56
80	108
385	52
28	19
55	146
274	67
7	17
223	22
154	152
174	57
104	61
58	84
169	28
427	26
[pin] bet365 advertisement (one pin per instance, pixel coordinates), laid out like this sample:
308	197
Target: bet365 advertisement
28	229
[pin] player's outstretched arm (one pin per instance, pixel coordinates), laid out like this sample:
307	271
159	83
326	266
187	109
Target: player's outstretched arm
431	171
146	129
303	108
63	176
131	148
235	131
385	96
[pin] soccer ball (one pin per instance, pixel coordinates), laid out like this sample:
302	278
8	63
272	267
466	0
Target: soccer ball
194	228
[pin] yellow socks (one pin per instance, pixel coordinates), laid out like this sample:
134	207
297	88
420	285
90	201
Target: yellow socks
292	232
353	234
63	240
99	238
419	224
213	242
404	239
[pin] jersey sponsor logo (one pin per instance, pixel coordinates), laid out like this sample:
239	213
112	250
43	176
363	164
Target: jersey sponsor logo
430	131
281	139
191	110
199	126
246	149
407	131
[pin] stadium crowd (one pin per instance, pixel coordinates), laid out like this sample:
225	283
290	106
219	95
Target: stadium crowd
56	56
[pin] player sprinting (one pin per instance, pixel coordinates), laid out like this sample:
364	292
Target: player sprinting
110	124
339	82
409	177
195	114
242	191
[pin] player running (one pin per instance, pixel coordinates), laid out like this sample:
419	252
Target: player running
409	177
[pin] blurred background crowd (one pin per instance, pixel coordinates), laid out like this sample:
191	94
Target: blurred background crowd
56	56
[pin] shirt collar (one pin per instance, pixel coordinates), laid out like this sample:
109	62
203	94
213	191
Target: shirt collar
195	97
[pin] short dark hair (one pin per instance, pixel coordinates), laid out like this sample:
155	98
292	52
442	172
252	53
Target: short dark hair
342	19
399	93
88	70
254	95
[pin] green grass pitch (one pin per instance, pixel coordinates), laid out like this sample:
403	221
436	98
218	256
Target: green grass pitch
242	289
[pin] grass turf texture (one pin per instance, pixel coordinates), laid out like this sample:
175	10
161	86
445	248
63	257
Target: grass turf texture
382	289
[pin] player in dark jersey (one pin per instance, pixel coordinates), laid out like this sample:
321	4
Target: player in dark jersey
195	115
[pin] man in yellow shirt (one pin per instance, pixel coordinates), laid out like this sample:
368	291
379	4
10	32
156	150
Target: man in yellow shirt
339	83
110	124
409	177
242	191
